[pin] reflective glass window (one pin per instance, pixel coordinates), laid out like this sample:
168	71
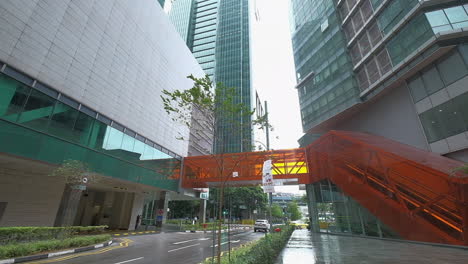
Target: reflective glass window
437	18
98	134
139	147
83	127
128	143
456	14
452	68
62	121
13	95
113	139
417	89
432	126
37	111
148	153
452	121
461	105
432	80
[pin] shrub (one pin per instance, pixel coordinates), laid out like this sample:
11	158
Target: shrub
27	234
264	251
25	249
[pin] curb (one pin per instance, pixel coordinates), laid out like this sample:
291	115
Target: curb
55	254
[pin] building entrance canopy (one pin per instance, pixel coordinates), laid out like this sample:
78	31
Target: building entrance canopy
414	192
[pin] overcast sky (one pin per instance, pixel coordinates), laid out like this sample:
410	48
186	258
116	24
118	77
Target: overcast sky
273	71
273	74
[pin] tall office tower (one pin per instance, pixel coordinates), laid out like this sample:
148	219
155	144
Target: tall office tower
161	2
217	33
393	68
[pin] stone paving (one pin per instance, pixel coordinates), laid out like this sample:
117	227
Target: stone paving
309	248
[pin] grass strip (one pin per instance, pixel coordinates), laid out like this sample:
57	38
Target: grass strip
9	235
262	251
32	248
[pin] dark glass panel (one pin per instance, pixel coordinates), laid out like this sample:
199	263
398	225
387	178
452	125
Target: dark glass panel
13	95
37	111
83	128
62	121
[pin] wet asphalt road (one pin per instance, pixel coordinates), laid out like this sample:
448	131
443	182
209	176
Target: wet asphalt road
164	248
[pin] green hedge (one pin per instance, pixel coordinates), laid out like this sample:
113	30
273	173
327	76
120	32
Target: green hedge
31	248
263	251
27	234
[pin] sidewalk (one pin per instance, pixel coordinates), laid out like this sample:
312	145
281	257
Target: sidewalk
305	247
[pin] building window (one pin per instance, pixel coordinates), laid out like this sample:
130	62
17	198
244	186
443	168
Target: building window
364	44
443	121
448	18
384	62
355	53
432	80
374	34
362	79
372	71
452	68
37	111
13	96
417	89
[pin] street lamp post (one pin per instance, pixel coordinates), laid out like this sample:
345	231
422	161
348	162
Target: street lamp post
270	198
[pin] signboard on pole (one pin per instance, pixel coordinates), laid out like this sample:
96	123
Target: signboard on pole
267	179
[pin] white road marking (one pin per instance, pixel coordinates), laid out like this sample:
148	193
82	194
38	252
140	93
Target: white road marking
183	247
130	260
234	241
186	241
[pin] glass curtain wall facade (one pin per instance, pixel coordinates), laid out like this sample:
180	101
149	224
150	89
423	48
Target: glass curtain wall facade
349	51
326	85
46	111
338	213
180	16
217	32
204	34
233	70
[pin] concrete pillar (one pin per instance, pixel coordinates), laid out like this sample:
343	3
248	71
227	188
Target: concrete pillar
68	206
161	208
312	207
137	210
202	211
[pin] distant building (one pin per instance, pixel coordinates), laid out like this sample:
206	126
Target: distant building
218	34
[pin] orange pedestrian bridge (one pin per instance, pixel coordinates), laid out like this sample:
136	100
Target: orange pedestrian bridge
414	192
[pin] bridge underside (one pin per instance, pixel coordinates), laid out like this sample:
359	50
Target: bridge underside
414	192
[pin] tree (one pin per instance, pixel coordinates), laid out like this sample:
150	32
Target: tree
220	105
294	212
276	211
182	209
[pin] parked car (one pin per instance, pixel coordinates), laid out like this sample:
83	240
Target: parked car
261	224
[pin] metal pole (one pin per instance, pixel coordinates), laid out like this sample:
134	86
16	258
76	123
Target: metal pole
267	131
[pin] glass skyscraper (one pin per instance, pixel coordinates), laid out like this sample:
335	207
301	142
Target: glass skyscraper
393	68
217	33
